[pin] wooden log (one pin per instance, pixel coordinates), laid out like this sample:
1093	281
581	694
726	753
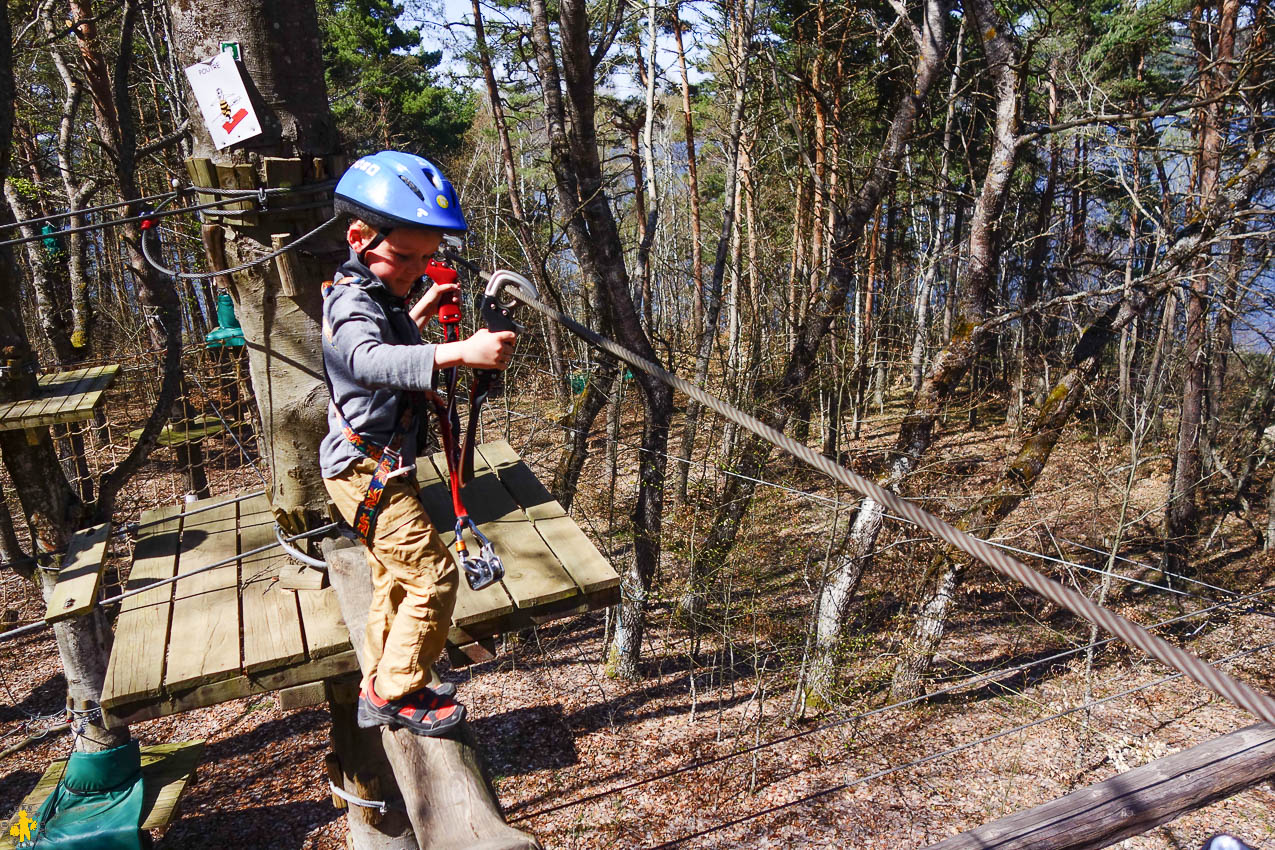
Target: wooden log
1134	801
440	781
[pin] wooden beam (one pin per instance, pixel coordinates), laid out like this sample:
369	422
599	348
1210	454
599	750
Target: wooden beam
440	780
76	590
1134	801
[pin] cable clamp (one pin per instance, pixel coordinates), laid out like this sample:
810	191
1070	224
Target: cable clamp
261	197
379	805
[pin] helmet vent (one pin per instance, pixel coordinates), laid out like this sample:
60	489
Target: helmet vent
407	181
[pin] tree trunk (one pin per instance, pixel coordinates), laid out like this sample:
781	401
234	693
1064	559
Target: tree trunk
112	107
916	433
1182	512
692	188
51	507
279	45
594	237
526	237
783	395
45	270
742	39
440	782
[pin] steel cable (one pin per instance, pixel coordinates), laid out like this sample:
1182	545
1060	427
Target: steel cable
176	275
989	677
1004	733
1246	697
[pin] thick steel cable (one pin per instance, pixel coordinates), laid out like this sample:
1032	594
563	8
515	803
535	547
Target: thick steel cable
176	275
280	541
116	222
969	745
1224	685
988	677
166	196
86	211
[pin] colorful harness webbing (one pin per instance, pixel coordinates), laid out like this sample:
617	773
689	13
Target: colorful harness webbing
387	458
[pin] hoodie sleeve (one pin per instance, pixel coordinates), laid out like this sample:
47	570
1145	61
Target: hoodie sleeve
356	330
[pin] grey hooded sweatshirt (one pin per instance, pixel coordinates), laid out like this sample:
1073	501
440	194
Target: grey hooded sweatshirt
372	351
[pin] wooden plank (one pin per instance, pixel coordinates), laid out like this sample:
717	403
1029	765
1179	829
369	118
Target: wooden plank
521	482
271	620
214	693
1134	801
295	576
202	173
586	565
303	696
325	631
63	397
60	388
81	575
101	381
471	653
472	608
167	769
533	574
136	668
204	642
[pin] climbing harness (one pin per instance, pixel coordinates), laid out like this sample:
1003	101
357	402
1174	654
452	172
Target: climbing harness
484	568
388	458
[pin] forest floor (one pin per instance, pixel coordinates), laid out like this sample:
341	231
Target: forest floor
578	757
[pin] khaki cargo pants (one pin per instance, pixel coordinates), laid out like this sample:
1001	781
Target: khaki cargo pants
414	582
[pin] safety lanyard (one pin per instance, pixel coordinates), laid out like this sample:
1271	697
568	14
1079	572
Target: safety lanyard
484	568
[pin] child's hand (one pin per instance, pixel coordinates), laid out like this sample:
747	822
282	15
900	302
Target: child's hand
427	307
484	350
489	349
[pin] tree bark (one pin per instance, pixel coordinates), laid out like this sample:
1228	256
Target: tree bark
706	333
1182	513
441	782
526	237
52	508
279	44
916	433
595	239
44	270
784	395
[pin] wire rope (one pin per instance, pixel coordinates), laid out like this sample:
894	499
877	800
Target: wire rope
164	196
1004	733
816	497
86	211
176	275
981	679
116	222
1223	684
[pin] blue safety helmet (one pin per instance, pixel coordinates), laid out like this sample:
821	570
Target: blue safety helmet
395	189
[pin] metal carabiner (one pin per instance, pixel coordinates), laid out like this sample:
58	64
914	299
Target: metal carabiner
485	569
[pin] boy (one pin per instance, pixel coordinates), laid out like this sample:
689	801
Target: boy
378	369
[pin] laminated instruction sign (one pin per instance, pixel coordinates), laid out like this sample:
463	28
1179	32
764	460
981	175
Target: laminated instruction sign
223	100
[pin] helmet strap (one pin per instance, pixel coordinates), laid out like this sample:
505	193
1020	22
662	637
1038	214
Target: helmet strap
381	233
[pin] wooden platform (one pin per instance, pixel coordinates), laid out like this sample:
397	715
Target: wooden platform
60	397
166	771
234	631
